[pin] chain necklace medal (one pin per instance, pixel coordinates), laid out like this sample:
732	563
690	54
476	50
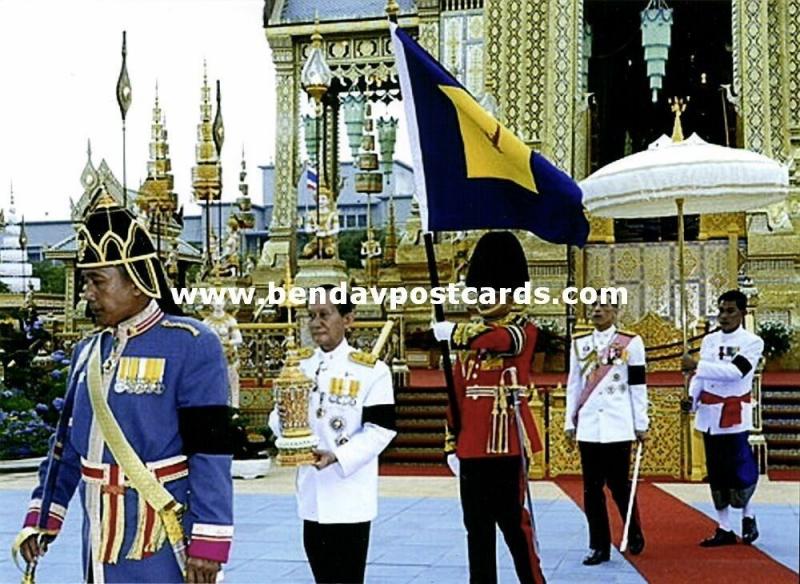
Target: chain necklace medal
320	408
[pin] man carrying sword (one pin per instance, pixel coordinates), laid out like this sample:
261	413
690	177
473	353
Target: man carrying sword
492	452
144	428
606	411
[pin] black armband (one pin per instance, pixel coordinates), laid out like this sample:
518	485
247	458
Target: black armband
742	364
382	415
205	430
636	375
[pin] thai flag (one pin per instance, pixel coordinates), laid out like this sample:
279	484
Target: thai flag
311	179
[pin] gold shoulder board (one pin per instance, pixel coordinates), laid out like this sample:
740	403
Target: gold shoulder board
363	358
182	326
627	333
581	335
304	352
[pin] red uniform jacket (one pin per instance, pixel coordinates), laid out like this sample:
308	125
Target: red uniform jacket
494	359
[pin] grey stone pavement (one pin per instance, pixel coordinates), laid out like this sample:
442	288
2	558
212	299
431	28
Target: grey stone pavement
417	538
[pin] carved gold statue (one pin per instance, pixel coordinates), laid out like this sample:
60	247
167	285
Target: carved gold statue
324	225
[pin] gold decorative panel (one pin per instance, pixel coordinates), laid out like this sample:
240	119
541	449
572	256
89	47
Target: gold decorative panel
662	453
516	60
718	225
650	274
461	47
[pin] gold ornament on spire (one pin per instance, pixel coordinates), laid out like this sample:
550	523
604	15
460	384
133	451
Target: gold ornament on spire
677	106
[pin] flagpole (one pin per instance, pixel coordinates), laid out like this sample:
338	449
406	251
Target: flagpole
438	308
124	101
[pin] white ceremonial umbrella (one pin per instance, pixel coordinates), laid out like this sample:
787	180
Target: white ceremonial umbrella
684	176
689	176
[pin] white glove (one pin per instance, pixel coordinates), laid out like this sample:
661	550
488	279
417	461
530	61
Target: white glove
443	330
454	464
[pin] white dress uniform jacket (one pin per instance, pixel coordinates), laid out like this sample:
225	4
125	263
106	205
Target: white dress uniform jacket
727	364
616	409
347	490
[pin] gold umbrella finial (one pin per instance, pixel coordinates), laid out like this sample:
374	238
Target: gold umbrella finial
677	106
392	8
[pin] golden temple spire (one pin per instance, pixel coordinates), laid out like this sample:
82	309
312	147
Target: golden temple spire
156	195
677	106
206	175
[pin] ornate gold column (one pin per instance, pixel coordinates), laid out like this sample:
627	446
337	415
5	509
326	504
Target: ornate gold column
751	72
284	211
792	44
563	38
516	49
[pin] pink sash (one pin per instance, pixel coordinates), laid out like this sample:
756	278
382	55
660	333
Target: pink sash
599	373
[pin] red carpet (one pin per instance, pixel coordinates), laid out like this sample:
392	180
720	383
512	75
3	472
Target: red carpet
409	470
787	474
672	531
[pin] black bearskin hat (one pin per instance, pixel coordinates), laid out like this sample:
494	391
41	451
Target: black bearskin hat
498	262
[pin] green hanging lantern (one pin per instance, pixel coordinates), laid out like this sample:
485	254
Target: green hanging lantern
656	38
354	105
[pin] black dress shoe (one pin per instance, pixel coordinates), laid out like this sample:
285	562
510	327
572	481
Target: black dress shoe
636	544
749	530
596	557
720	537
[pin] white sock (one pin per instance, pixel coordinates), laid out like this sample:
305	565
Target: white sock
724	518
748	511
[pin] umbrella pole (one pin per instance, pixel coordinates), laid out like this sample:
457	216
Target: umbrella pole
687	433
682	273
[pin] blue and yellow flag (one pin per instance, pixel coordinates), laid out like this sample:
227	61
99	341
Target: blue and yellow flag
470	171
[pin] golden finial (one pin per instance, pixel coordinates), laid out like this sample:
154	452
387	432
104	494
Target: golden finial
392	8
677	106
316	37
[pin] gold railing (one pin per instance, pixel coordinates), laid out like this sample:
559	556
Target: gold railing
663	451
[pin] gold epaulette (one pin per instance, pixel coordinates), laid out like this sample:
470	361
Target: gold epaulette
362	358
581	335
626	333
181	326
466	331
304	352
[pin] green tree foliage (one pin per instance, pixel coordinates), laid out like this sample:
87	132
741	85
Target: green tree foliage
52	275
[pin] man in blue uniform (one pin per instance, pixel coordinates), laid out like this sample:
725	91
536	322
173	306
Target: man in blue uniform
720	391
144	430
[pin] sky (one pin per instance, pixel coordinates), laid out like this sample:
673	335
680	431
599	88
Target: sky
59	64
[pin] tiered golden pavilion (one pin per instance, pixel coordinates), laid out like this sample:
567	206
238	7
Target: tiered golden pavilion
557	73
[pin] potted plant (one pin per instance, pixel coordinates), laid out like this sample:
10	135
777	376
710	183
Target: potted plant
777	337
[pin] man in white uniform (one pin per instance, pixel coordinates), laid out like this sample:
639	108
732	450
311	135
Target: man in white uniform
720	392
606	411
351	410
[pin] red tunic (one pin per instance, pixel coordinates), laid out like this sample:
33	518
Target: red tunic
493	361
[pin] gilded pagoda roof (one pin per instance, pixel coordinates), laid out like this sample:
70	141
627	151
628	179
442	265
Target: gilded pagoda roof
295	11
